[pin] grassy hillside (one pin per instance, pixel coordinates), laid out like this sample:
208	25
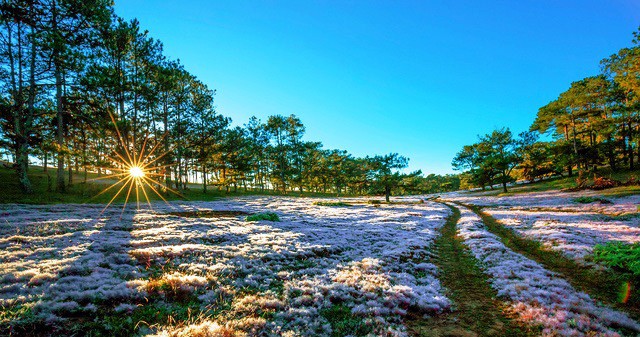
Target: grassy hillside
561	183
79	192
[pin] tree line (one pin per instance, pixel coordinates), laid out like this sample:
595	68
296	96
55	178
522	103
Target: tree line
81	86
594	123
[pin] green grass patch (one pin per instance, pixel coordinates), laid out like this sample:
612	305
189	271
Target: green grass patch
588	200
344	323
264	216
331	204
299	264
210	214
17	319
623	217
620	256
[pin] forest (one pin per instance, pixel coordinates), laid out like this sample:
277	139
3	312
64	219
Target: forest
82	87
593	124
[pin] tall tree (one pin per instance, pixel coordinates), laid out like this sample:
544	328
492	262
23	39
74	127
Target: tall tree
385	171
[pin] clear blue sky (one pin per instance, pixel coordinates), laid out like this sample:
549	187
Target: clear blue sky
422	78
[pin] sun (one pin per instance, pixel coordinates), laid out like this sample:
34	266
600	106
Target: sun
136	172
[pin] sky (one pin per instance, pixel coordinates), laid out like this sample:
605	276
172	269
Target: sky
420	78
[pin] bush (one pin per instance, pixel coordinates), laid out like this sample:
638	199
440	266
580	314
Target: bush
331	203
374	202
267	216
620	256
588	200
632	181
602	183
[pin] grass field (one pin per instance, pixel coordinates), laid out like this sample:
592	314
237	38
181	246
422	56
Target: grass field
80	192
464	264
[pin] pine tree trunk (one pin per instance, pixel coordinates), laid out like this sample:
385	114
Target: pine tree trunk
60	123
70	172
167	162
611	154
22	166
630	142
204	180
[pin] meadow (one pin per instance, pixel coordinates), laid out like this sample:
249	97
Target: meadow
292	266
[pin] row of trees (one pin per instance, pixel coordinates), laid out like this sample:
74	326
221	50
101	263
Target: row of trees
595	122
81	87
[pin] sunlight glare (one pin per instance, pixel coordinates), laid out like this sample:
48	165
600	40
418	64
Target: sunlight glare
136	172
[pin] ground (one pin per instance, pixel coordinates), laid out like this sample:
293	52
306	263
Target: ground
463	264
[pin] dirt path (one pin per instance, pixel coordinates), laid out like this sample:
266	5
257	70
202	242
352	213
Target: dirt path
605	286
476	311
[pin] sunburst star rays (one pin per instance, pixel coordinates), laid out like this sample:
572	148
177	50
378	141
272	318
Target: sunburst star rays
135	171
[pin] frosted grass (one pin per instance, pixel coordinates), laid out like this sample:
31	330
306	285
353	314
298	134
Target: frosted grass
277	278
535	294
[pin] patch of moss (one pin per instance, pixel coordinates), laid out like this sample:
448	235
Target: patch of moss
265	216
588	200
344	323
209	214
332	204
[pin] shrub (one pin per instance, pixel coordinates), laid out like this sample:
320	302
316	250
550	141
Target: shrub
602	183
620	256
632	181
268	216
331	203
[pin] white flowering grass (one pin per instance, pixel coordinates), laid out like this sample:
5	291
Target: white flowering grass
561	223
551	200
258	278
572	234
537	295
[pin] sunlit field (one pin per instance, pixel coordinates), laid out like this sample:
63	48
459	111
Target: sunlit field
278	266
317	270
